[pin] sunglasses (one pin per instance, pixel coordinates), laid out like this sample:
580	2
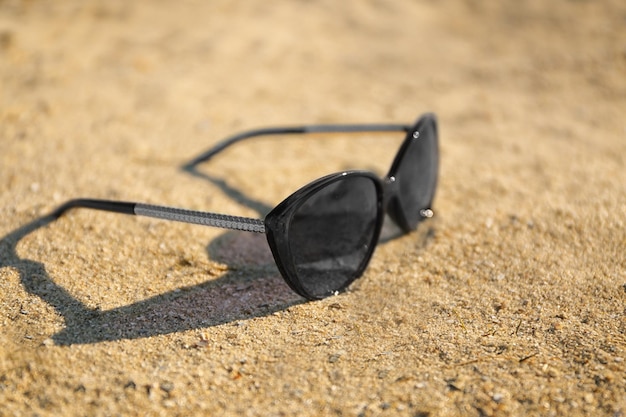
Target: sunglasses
323	236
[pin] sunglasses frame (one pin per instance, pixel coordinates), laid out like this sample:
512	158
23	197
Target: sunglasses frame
276	224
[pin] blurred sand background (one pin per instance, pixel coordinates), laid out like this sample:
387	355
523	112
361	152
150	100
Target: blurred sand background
516	305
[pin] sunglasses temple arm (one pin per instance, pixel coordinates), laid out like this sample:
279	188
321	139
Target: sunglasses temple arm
166	213
294	130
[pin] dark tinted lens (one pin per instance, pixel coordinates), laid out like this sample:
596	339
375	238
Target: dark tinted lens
332	234
417	174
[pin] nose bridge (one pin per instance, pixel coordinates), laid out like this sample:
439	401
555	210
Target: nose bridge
390	191
391	202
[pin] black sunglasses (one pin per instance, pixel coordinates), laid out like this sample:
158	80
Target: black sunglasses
323	235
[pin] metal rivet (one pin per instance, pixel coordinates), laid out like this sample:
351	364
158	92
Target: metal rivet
427	213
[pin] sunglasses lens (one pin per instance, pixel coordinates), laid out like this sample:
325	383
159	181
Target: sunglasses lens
333	233
417	173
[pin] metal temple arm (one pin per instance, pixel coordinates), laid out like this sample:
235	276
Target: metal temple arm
167	213
322	128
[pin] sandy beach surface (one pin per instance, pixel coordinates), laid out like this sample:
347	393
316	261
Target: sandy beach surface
514	304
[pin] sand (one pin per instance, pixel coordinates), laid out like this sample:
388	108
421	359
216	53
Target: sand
515	305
